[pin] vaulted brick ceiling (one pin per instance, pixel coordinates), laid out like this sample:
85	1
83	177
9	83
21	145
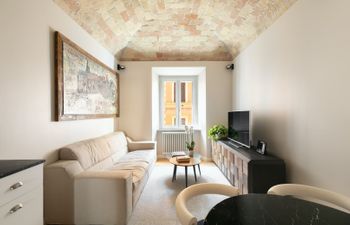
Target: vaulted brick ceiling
188	30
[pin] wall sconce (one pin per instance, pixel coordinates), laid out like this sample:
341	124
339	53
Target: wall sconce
120	67
230	66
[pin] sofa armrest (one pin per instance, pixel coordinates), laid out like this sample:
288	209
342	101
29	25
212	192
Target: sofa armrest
141	145
59	191
103	197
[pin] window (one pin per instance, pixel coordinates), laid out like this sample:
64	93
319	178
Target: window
183	92
178	101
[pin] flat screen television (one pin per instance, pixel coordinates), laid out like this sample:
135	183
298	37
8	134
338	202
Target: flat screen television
239	127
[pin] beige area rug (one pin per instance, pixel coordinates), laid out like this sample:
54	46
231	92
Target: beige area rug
156	205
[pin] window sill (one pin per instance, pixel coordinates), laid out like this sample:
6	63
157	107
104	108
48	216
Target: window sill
175	129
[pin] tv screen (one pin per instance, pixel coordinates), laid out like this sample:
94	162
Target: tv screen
238	127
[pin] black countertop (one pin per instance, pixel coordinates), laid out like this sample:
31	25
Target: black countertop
8	167
263	209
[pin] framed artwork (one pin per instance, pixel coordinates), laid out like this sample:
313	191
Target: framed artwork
85	87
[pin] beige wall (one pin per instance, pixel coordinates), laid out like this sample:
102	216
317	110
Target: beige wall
295	79
26	80
136	95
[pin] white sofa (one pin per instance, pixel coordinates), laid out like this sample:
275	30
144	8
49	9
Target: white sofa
97	181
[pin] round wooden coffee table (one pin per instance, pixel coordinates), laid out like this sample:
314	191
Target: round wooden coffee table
193	162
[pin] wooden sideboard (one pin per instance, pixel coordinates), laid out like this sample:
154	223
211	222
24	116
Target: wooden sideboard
246	169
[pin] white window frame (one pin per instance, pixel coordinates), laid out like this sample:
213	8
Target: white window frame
186	87
178	80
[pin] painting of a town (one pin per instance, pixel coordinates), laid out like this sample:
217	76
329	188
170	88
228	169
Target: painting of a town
86	87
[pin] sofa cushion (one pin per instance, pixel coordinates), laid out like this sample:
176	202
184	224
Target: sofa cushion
147	156
138	162
137	168
92	151
118	144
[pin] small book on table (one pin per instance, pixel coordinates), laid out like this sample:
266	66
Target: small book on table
178	153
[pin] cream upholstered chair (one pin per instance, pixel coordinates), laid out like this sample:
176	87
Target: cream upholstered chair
185	217
314	194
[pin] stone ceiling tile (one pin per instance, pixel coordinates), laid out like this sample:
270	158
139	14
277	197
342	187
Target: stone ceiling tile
173	29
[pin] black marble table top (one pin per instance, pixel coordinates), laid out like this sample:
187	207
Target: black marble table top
8	167
263	209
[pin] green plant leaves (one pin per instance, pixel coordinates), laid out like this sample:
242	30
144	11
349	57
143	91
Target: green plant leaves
217	132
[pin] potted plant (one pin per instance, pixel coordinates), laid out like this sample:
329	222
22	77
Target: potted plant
189	140
217	132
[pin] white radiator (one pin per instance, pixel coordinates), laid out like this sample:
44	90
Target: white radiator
173	142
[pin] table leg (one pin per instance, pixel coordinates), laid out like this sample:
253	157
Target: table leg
174	173
199	168
186	174
194	171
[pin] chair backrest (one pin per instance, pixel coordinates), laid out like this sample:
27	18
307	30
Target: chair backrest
185	217
314	194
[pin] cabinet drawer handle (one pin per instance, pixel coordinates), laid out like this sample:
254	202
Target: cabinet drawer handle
16	185
16	208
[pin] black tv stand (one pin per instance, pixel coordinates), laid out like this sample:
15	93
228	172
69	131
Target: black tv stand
246	169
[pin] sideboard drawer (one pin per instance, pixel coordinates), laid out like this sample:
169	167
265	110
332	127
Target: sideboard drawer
27	209
16	185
